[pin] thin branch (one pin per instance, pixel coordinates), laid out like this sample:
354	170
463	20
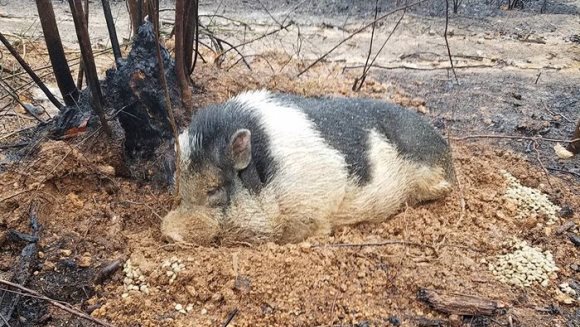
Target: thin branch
358	82
447	41
514	137
230	317
367	69
112	32
412	67
555	114
382	243
535	146
30	72
89	62
235	48
358	31
9	90
68	308
168	107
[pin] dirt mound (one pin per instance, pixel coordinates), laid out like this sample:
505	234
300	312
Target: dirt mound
90	218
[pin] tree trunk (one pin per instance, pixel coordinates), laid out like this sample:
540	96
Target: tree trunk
180	70
66	85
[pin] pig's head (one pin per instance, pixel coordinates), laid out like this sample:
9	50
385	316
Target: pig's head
210	162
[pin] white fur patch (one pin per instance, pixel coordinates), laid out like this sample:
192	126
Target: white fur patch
312	177
184	146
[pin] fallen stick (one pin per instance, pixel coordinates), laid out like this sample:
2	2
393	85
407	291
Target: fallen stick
382	243
459	304
57	304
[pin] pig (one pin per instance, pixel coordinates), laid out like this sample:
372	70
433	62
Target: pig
275	167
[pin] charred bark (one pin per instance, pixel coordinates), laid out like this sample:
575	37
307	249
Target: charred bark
89	62
462	305
112	32
180	68
135	14
82	65
191	35
138	112
58	60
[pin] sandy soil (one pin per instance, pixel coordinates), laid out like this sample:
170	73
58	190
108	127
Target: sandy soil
91	217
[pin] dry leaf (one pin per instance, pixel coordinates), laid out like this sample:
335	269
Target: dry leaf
561	152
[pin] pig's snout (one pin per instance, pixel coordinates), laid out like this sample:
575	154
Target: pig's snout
189	225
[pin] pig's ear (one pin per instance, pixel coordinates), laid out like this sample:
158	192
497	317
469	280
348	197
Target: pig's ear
241	148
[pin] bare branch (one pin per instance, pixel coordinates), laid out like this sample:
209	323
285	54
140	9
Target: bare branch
358	31
89	62
447	41
153	14
30	72
58	304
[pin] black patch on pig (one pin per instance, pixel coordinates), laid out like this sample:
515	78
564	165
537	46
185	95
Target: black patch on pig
345	124
216	124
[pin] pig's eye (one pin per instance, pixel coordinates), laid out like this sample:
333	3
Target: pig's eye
217	196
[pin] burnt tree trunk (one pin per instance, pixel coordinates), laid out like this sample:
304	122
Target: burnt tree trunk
191	34
112	31
89	62
58	60
135	102
180	57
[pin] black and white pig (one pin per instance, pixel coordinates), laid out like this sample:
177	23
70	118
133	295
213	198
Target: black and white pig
277	167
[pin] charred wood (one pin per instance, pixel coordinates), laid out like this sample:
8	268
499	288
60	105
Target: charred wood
89	62
112	31
462	305
58	60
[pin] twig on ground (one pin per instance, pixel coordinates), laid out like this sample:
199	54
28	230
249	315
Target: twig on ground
535	146
230	317
514	137
358	31
30	72
10	91
381	243
66	307
447	41
538	78
107	271
413	67
555	114
564	171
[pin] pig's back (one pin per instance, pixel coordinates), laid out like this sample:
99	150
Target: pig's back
346	124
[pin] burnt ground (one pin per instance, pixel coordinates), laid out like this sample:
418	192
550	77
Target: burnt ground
91	217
